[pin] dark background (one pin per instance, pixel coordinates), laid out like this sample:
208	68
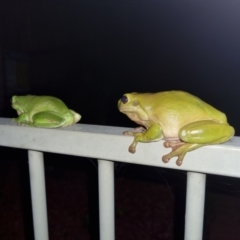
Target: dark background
89	53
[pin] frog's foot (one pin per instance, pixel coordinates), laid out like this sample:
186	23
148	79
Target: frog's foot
20	123
173	144
132	148
137	129
128	133
137	135
16	121
179	150
140	129
153	133
23	124
166	158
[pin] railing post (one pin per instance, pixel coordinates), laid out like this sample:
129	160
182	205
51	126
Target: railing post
106	199
194	206
38	194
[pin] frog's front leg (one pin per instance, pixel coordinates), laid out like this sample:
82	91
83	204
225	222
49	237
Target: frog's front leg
22	119
153	133
196	135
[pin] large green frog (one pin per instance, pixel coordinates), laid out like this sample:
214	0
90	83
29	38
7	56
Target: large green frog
184	121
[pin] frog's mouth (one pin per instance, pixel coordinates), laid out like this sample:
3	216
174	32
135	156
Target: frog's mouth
124	109
127	110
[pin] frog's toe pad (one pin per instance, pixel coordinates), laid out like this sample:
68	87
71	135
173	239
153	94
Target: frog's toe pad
166	158
128	133
140	129
23	124
179	162
166	144
132	149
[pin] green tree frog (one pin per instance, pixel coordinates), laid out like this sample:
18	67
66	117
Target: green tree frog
43	111
184	121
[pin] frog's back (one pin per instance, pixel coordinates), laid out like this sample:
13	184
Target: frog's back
180	108
47	103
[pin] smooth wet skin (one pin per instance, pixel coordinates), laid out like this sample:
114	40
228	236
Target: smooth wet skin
184	121
43	111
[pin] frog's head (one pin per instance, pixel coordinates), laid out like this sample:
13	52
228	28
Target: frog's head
19	103
131	105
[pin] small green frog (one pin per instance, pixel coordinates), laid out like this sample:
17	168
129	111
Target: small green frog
43	111
184	121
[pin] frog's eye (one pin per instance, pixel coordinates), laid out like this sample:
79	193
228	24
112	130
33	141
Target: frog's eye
124	99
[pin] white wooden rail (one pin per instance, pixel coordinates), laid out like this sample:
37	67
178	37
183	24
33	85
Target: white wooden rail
107	144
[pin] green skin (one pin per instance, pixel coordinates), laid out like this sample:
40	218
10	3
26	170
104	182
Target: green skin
184	121
43	111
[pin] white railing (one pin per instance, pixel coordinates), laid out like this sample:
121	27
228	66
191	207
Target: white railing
107	144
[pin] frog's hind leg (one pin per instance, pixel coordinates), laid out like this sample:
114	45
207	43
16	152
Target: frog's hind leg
47	120
196	135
